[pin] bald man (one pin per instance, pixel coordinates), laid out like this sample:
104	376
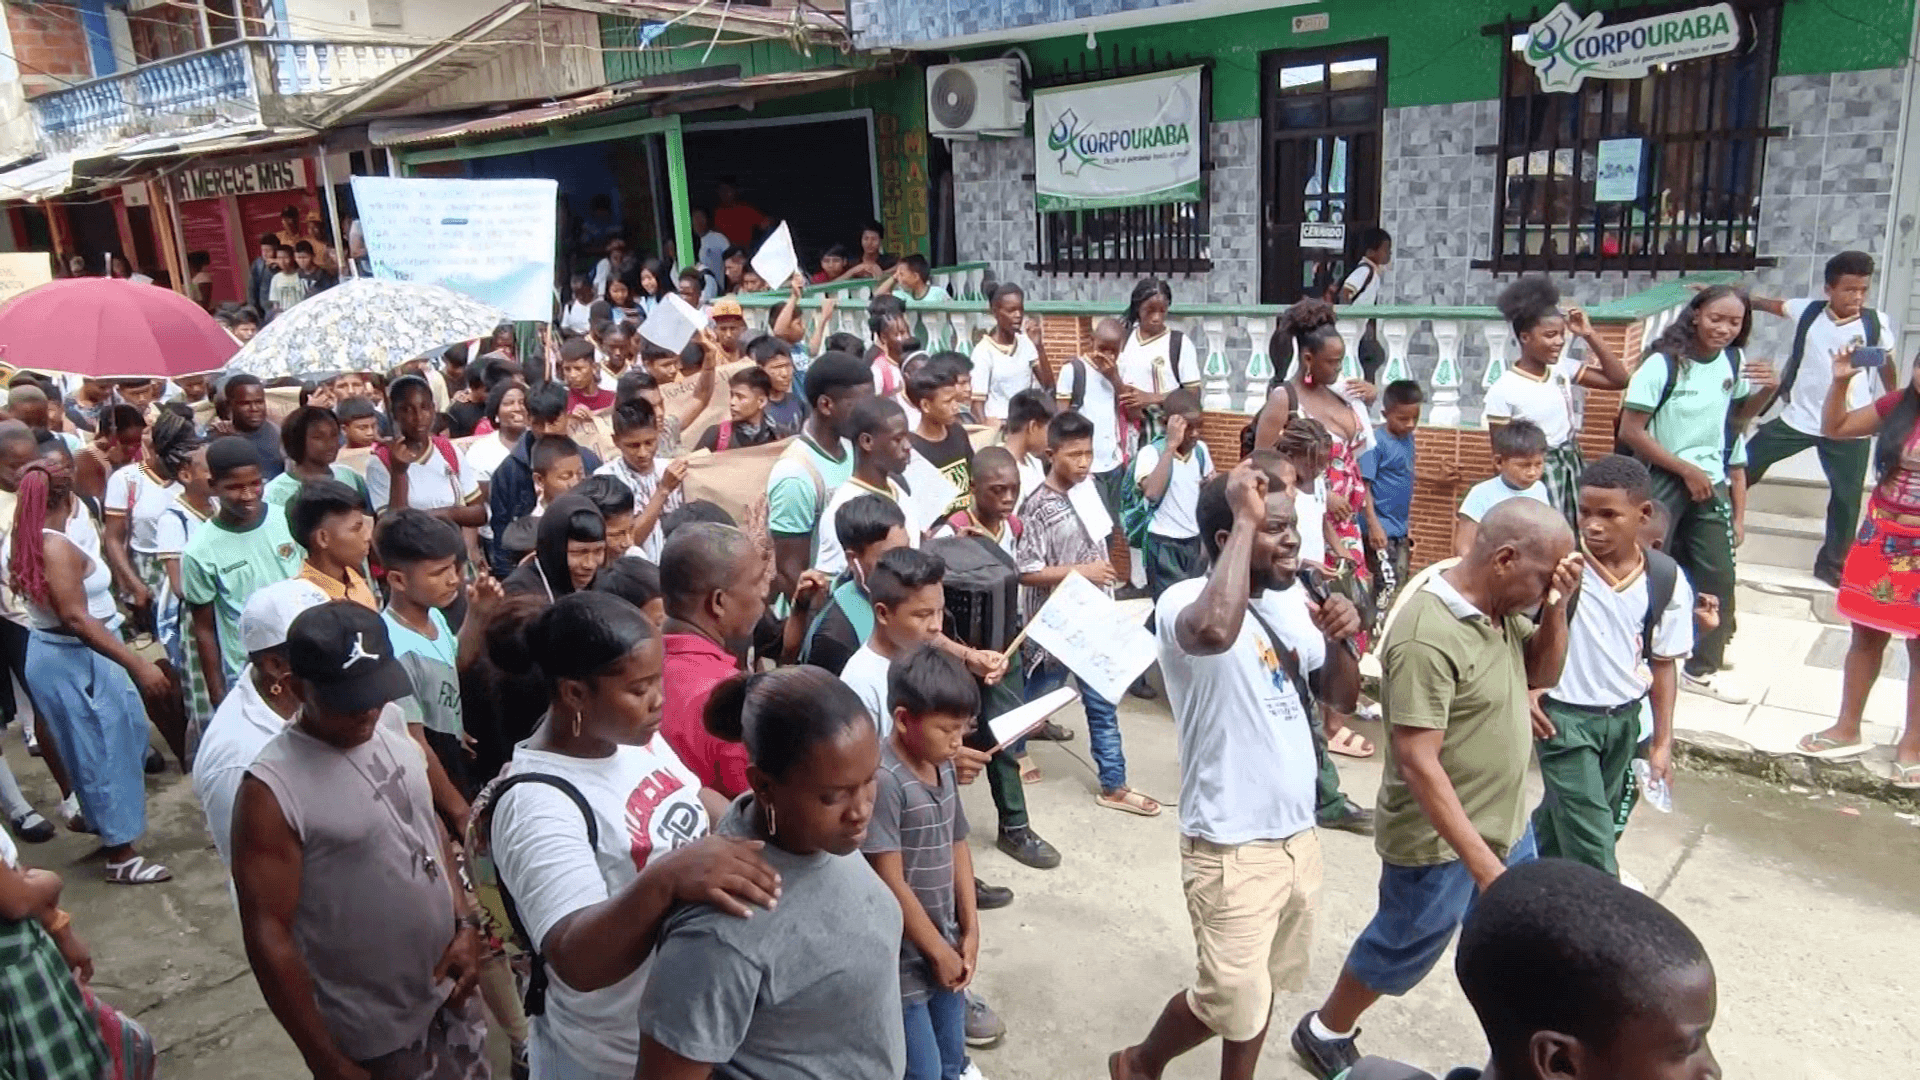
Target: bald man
1452	814
713	583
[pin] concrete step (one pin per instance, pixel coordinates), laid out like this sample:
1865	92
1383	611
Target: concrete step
1784	592
1783	540
1791	497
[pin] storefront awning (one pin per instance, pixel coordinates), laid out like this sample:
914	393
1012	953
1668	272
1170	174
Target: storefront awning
520	119
37	180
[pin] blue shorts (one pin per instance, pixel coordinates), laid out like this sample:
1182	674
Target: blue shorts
1420	908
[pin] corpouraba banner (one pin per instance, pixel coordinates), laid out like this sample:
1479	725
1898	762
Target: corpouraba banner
1566	49
1125	142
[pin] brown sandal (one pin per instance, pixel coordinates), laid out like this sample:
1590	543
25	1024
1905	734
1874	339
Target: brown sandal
1029	772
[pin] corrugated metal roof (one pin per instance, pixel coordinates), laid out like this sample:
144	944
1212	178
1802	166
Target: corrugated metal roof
519	119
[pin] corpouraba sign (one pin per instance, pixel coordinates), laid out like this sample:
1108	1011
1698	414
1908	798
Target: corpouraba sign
1566	48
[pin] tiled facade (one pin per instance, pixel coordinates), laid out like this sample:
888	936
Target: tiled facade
1827	186
881	24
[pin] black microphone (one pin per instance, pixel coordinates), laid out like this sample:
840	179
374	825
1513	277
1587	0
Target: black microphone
1317	591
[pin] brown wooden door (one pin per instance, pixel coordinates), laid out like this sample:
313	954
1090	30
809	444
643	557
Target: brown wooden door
1320	124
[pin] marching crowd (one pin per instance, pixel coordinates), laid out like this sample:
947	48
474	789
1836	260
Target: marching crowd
492	731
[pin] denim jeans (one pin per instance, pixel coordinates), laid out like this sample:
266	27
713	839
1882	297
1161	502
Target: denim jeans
1103	725
937	1036
1420	908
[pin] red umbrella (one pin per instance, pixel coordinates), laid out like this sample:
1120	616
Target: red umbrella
108	328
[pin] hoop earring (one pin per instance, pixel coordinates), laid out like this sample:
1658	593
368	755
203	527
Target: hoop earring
276	690
772	826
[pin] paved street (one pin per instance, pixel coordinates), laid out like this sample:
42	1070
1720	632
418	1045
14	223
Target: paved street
1807	910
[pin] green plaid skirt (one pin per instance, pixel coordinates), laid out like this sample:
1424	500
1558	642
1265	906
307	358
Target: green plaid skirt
171	629
46	1030
1562	477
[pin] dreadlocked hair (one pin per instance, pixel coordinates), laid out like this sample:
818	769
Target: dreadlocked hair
174	441
27	567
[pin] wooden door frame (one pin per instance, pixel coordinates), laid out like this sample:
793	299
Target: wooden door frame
1271	64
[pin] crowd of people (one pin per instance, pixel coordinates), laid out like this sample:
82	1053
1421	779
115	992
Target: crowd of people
652	789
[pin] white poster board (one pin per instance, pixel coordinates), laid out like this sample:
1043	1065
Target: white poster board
1085	630
22	270
1124	142
929	490
1616	173
776	262
492	240
673	323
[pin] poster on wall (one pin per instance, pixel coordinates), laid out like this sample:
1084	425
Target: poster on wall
1566	48
1616	174
22	270
492	240
1125	142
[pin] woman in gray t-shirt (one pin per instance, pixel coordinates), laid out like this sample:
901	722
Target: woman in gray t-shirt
811	988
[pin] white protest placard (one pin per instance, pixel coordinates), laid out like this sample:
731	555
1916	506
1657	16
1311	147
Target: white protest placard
22	270
673	323
492	240
776	262
1084	497
929	491
1011	725
1084	629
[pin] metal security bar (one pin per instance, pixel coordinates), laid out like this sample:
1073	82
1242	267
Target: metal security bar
1693	135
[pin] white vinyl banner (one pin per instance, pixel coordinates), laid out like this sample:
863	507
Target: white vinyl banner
1566	48
1126	142
492	240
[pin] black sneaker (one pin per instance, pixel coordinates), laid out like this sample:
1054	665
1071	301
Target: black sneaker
155	764
1324	1058
1357	820
31	828
988	897
1828	575
1051	732
1024	846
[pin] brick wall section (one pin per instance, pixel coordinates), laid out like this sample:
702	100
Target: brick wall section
49	44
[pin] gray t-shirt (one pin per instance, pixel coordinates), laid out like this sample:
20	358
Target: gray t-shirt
266	439
921	823
808	990
375	910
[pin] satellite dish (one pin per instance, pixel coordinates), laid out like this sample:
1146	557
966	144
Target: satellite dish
953	98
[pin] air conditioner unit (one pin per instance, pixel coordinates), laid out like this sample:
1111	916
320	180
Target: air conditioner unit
982	97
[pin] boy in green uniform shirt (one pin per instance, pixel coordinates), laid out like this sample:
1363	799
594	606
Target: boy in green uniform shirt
243	548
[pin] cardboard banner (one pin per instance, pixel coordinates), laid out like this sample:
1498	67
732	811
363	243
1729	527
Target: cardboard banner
492	240
22	270
1124	142
736	481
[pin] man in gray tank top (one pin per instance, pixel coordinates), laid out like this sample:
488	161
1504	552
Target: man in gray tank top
356	930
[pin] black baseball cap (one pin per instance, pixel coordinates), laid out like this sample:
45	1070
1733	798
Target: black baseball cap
342	650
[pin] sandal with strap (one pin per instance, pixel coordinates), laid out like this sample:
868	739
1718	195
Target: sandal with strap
137	871
1029	772
1826	748
1350	743
1906	777
1129	801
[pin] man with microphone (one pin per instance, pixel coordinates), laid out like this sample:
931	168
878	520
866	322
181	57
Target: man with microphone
1239	684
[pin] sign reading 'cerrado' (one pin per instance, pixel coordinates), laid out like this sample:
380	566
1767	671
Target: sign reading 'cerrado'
1566	49
1125	142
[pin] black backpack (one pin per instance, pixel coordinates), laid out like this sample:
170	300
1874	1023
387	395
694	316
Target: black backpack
1734	359
535	1001
1868	317
1663	576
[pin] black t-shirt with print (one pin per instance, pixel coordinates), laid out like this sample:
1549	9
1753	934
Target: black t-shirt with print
953	456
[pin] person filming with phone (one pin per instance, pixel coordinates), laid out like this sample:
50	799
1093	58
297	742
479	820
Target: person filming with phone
1823	329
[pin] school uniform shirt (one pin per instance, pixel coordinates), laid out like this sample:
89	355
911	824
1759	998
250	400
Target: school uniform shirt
281	489
1826	338
1546	400
866	675
485	455
1033	473
999	372
1388	471
578	317
646	803
1692	425
832	558
1247	767
286	291
432	484
354	588
935	294
1604	665
1491	492
223	567
800	485
1365	283
135	493
1176	516
1100	404
1145	365
644	485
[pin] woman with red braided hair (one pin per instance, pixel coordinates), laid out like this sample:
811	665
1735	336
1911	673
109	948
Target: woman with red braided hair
86	681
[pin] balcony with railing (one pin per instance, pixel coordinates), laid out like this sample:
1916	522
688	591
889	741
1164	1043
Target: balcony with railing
1455	353
242	84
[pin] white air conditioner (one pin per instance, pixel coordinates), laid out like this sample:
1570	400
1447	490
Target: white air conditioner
982	97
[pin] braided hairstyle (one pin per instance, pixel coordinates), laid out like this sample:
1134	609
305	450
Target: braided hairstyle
174	442
1306	442
27	566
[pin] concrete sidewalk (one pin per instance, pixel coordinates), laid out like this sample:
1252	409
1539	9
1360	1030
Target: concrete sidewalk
1787	658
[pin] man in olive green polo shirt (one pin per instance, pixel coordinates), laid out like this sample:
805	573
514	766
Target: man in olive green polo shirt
1452	815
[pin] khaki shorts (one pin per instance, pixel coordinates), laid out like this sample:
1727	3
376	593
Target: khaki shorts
1252	909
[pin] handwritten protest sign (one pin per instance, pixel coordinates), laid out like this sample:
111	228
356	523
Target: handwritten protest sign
736	481
1084	629
775	262
673	323
492	240
22	270
929	490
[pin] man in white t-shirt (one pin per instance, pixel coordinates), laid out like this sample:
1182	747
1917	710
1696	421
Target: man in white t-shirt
1362	289
1250	858
877	429
1823	330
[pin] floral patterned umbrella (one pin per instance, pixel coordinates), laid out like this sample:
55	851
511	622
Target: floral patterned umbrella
363	324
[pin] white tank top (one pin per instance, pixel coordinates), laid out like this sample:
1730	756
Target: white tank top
80	532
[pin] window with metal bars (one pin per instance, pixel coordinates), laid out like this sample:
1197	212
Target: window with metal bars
1659	173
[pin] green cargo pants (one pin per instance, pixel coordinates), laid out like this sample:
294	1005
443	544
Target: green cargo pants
1587	767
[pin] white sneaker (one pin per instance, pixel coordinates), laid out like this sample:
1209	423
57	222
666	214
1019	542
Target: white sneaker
972	1072
1714	686
1631	882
